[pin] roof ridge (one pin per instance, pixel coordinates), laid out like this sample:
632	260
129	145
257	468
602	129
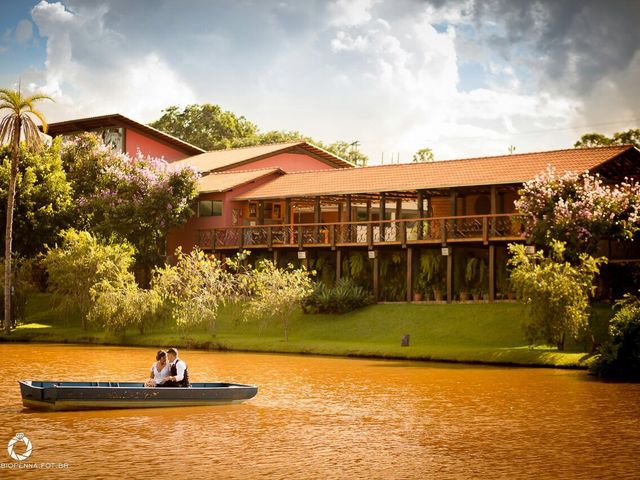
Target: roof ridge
292	143
435	162
228	172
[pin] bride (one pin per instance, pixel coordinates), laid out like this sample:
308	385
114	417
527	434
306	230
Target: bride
159	369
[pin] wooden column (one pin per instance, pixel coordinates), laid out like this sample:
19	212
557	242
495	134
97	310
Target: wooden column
492	273
369	225
275	258
287	211
409	274
383	215
338	264
376	278
493	196
420	212
261	212
449	277
316	219
453	201
349	219
399	225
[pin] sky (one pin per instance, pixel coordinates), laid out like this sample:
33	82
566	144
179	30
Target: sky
464	78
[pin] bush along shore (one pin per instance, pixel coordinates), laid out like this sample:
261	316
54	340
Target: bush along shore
489	333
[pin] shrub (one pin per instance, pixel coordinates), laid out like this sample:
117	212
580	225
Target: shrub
556	293
620	356
344	297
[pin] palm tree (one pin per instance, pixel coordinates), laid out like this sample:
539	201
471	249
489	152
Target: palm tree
18	122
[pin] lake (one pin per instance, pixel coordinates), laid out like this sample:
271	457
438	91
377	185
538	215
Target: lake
324	417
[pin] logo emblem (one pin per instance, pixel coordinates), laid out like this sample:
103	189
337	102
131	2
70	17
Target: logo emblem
28	447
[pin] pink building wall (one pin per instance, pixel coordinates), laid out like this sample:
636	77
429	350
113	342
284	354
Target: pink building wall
150	146
186	236
288	162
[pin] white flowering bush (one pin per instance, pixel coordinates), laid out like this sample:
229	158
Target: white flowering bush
578	209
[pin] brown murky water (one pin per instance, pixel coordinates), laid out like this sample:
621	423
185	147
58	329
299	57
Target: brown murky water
330	418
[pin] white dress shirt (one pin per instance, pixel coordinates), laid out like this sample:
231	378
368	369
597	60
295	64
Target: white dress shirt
180	368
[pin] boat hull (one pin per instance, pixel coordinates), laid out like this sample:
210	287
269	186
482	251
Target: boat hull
58	396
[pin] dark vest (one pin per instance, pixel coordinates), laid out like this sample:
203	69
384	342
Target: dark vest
174	371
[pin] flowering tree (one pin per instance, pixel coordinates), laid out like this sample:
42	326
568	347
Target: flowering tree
555	292
276	293
136	198
578	209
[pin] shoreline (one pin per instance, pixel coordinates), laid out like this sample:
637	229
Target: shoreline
212	346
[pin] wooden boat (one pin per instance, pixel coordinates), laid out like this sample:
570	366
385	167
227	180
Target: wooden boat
53	396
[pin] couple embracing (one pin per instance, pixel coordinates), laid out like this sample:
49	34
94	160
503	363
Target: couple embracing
168	370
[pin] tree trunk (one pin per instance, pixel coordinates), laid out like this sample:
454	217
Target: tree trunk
13	178
561	343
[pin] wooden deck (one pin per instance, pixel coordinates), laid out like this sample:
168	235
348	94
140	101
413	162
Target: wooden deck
483	229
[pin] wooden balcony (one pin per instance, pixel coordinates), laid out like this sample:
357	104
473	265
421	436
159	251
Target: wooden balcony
441	230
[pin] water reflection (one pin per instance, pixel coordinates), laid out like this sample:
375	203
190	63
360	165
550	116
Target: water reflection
319	417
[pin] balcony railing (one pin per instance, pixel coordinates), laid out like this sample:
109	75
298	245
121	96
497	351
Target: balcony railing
472	228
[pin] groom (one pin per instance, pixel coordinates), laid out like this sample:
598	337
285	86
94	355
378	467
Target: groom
179	376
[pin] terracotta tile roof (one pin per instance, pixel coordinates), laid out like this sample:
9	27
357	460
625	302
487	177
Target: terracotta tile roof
117	120
224	181
504	169
224	159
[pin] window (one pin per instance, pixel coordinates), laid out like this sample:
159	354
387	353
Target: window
210	208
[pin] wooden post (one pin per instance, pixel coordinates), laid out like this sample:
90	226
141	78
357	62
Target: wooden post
369	225
287	210
420	212
399	225
261	212
449	277
492	273
383	215
316	220
453	200
349	215
376	278
409	274
213	240
494	209
300	237
338	264
275	258
269	238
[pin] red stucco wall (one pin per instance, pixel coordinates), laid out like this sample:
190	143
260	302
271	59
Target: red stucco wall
186	236
149	146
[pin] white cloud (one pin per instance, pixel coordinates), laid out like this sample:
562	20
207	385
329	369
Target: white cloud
350	12
89	70
24	31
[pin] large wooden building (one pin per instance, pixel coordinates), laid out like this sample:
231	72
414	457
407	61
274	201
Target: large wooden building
386	225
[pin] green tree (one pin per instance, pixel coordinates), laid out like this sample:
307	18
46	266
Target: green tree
627	137
276	293
195	287
17	123
555	292
211	128
207	126
80	263
346	151
118	305
43	198
423	155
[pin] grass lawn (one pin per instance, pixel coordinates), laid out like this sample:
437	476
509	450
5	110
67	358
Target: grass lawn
485	333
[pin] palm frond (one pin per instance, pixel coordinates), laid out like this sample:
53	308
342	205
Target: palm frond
38	114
